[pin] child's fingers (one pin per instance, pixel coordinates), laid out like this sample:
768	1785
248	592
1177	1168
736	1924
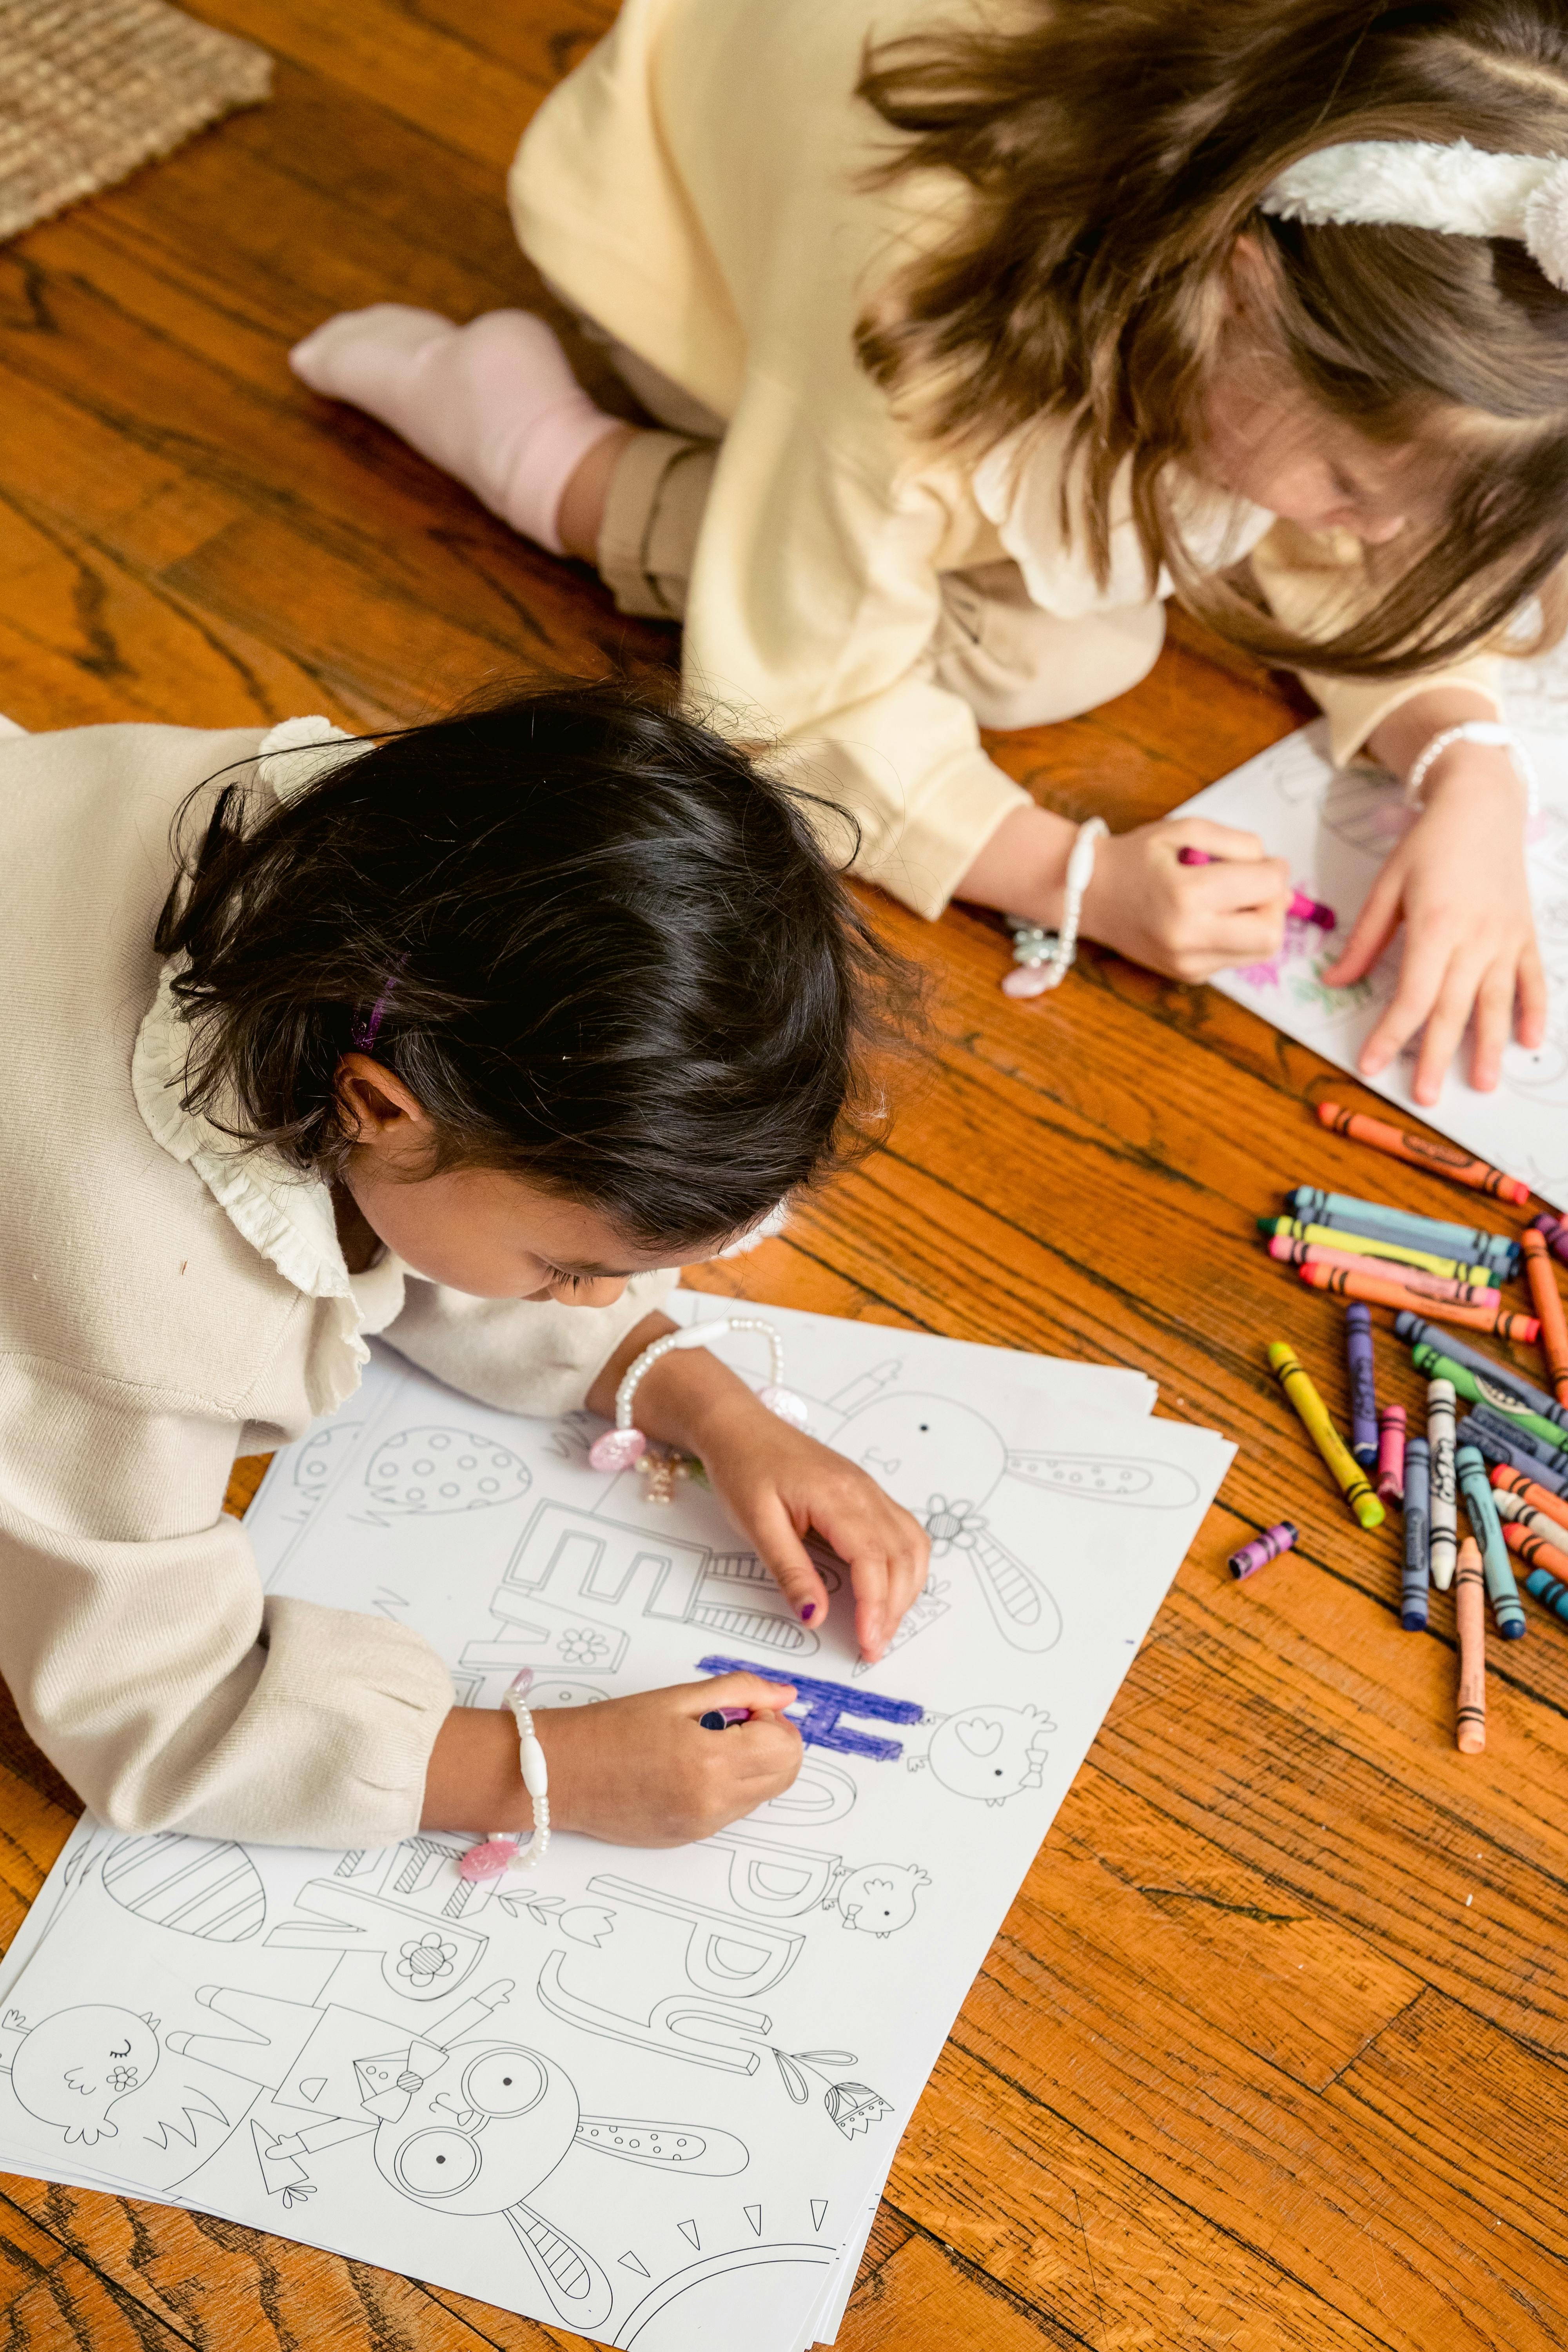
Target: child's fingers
763	1697
794	1570
1445	1027
1494	1022
1262	883
1530	1021
1216	840
1373	927
1420	979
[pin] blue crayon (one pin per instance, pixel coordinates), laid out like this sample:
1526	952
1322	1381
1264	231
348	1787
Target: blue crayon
1548	1591
1363	1383
1405	1224
1497	1448
1415	1331
1418	1535
1501	1590
824	1702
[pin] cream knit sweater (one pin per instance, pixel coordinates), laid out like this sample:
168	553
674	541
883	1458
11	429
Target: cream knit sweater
164	1306
697	187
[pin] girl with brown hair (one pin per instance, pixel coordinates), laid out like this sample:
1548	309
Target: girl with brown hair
971	336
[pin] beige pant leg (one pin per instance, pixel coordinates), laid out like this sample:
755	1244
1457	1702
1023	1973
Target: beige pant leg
1018	665
653	512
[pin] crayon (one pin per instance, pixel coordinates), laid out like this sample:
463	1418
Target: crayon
1390	1239
1443	1505
1548	1301
1262	1549
1391	1453
1477	1243
1481	1277
1481	1505
1540	1498
1498	1448
1536	1438
1393	1292
1470	1617
1421	1285
1301	909
1555	1231
1312	1414
1537	1539
1490	1398
1544	1571
1549	1592
1411	1328
1417	1536
1363	1383
1421	1151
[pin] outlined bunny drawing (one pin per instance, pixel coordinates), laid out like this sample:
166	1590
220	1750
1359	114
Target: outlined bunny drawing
465	2121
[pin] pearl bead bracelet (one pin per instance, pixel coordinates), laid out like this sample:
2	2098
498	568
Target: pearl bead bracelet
502	1848
620	1448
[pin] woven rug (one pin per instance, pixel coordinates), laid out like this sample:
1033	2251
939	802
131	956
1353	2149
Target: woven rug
90	88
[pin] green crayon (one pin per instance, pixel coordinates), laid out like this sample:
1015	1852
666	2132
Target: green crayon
1435	1366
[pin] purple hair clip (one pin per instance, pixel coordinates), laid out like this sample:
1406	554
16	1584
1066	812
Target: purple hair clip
363	1032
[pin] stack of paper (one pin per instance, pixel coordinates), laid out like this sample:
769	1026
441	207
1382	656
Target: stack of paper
651	2096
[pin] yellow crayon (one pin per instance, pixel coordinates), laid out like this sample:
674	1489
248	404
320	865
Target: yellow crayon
1313	1415
1374	1245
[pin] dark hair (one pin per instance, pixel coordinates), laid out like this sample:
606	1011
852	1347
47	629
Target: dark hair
607	950
1113	150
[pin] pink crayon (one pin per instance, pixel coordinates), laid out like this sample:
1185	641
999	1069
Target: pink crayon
1301	909
1391	1453
1410	1277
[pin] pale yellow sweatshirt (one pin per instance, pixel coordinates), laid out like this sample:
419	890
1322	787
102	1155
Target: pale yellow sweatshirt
165	1305
697	188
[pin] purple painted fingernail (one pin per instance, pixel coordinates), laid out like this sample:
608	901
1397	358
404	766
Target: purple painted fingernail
807	1613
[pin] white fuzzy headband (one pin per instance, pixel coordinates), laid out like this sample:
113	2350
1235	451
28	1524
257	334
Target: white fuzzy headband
1416	183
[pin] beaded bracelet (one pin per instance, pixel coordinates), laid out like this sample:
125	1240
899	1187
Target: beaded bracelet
1042	958
503	1847
620	1448
1476	731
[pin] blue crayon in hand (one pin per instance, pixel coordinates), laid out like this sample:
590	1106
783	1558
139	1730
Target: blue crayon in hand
1363	1383
1418	1535
1501	1590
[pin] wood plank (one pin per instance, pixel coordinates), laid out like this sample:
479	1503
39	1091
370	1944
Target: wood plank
52	2299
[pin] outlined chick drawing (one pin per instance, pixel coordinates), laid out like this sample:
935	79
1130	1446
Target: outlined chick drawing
878	1897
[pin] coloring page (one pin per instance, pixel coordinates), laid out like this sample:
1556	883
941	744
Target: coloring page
646	2096
1336	826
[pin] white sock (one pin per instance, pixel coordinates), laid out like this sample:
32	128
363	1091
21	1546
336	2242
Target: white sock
494	403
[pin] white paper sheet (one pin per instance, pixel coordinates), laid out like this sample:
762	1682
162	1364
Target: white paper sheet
1335	827
652	2097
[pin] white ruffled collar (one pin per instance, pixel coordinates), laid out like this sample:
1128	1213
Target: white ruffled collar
285	1217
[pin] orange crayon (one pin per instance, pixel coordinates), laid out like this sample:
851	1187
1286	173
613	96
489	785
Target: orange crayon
1548	1301
1501	1320
1443	1159
1470	1618
1534	1551
1509	1481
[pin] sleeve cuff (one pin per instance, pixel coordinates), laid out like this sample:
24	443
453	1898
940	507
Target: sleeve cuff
1357	707
918	852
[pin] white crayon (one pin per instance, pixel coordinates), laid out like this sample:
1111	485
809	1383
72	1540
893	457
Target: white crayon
1443	1504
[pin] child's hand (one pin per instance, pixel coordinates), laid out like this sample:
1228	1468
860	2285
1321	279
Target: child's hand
643	1772
778	1483
1457	883
1187	921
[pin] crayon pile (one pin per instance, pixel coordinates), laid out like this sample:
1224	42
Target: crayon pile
1491	1441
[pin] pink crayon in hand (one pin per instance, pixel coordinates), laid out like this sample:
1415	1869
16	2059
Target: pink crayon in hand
1301	908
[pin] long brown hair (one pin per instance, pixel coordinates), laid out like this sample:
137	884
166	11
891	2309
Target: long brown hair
1114	150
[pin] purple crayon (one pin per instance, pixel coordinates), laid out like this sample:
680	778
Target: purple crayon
1262	1549
1391	1453
1363	1389
1301	909
1555	1230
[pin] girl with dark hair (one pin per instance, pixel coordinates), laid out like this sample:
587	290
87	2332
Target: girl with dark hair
468	1037
976	332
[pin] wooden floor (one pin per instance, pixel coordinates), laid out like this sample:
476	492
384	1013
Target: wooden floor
1272	2050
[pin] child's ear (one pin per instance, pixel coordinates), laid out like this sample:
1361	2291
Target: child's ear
375	1107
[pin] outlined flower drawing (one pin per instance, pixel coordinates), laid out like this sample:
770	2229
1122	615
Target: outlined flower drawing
948	1524
122	2078
584	1645
855	2107
425	1960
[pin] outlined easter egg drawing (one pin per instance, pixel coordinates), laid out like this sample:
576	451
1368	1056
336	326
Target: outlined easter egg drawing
427	1470
198	1887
